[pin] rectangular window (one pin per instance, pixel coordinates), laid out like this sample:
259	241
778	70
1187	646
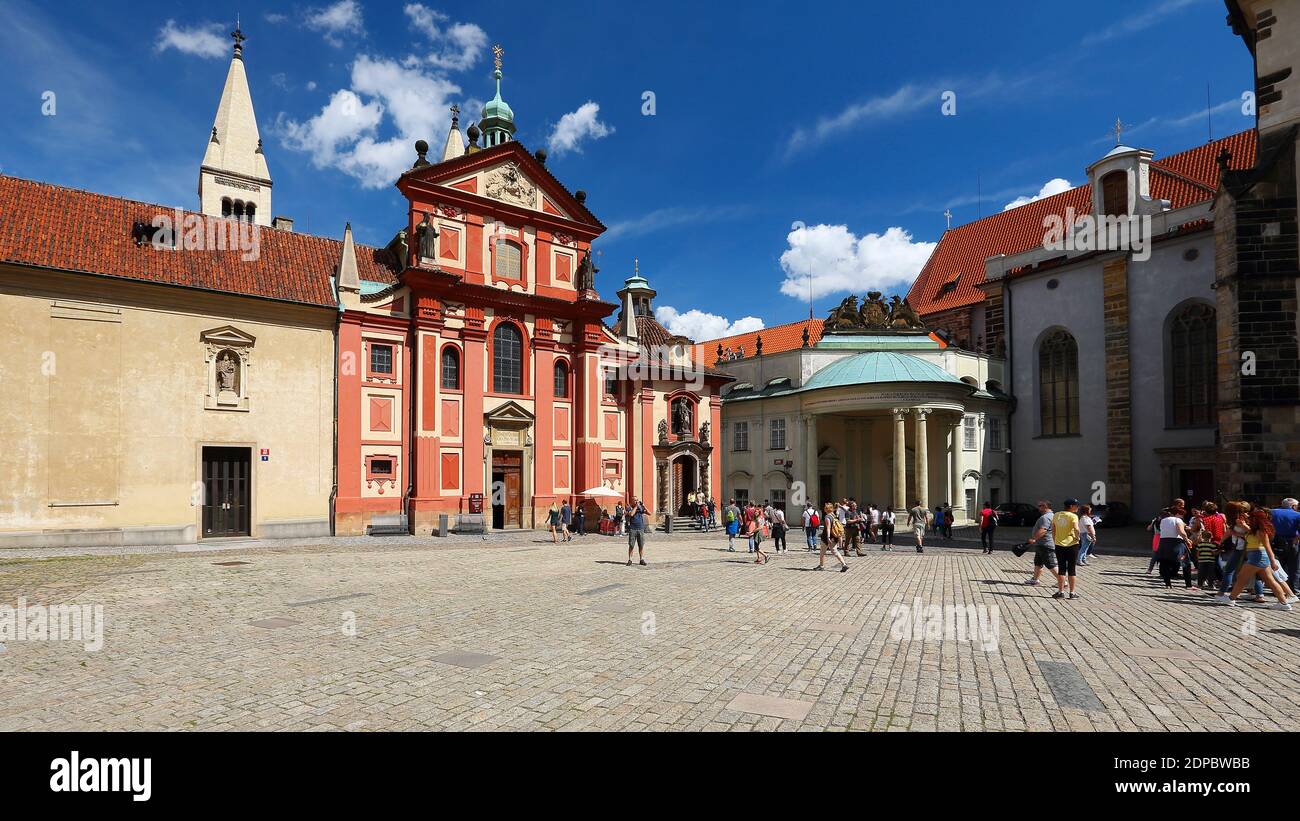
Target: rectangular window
611	382
381	359
968	439
740	438
995	433
776	434
777	495
995	496
509	260
742	496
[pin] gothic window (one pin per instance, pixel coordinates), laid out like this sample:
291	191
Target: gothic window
1192	377
1058	385
507	359
561	380
450	368
509	261
1114	194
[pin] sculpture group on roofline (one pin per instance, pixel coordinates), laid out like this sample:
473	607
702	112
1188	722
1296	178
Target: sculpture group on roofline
874	315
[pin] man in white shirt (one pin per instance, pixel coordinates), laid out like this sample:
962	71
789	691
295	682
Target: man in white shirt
873	523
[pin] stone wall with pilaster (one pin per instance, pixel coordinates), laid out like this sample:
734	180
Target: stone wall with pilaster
1119	410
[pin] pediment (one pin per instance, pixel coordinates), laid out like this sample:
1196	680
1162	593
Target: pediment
510	412
227	336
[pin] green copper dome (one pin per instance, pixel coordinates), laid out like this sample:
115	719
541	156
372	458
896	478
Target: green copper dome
498	122
878	366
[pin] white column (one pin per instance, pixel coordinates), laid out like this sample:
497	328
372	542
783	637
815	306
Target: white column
922	459
900	459
954	471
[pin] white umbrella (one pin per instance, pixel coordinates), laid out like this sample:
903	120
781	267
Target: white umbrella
602	492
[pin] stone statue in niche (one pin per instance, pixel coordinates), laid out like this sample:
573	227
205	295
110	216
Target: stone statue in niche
426	237
228	372
682	417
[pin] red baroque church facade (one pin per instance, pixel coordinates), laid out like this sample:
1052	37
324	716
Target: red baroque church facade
481	377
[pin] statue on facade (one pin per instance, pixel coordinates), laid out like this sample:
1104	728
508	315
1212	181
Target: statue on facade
682	418
874	312
845	317
587	273
663	431
704	433
903	316
227	372
426	235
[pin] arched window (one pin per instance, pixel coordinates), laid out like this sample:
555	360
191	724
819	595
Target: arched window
225	206
1192	368
239	209
561	380
507	359
250	211
1058	385
1114	193
451	368
509	260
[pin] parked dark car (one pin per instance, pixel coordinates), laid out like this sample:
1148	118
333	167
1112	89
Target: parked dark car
1115	514
1016	514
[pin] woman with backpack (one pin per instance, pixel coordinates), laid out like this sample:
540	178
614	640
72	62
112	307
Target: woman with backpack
832	533
733	525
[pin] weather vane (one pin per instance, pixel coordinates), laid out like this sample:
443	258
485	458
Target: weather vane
497	51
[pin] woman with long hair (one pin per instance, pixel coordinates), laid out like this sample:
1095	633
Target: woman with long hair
553	521
1087	533
832	533
754	530
1257	531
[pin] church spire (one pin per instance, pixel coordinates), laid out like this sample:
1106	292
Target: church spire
234	180
455	147
498	122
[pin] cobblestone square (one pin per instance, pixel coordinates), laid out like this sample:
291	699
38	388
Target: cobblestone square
524	635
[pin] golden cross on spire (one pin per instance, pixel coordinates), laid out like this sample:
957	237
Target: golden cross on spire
497	51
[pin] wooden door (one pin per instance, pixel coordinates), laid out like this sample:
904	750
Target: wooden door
509	467
227	492
1195	486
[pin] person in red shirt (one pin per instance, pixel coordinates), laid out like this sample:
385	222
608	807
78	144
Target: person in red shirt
988	523
1213	521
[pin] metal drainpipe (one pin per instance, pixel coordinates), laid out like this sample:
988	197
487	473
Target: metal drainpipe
412	361
334	412
1010	381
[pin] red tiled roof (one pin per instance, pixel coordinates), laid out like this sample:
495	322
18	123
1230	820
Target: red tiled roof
49	226
776	339
1183	179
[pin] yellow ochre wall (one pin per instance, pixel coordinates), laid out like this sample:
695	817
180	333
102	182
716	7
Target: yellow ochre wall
102	408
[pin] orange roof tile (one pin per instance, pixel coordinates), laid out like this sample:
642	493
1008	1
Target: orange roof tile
776	339
1184	179
50	226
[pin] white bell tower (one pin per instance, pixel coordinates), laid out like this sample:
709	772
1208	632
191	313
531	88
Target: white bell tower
234	180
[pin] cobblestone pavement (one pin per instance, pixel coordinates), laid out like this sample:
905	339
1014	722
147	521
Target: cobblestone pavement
526	635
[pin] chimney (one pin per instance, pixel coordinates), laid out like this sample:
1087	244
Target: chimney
282	224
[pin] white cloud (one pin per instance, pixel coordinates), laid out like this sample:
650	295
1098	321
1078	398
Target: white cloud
457	46
311	85
1136	22
840	261
345	134
201	40
343	17
698	325
1053	186
577	126
275	18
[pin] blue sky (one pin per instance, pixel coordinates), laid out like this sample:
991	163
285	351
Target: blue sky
767	117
